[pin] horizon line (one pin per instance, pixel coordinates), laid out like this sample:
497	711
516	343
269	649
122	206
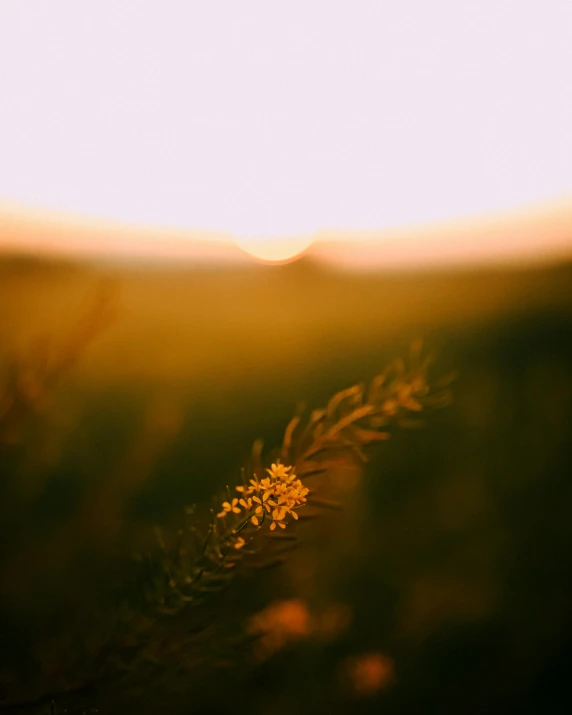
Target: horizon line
540	231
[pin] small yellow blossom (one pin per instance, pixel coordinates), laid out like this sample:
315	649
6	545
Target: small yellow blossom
227	508
239	543
279	471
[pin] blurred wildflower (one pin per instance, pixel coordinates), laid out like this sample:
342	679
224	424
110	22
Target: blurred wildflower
30	376
280	624
369	673
283	623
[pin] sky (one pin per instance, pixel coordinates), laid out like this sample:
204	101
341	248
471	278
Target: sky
265	118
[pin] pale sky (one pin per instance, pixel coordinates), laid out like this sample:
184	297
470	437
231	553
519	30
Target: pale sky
266	118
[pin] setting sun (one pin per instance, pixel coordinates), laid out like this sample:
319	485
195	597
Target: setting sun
275	250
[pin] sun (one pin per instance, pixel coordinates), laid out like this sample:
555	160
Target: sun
275	250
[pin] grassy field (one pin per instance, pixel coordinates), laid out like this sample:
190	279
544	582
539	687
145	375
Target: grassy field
443	585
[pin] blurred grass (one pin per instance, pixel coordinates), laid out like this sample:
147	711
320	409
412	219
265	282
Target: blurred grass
452	553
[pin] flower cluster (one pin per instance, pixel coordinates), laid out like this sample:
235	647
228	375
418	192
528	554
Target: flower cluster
273	497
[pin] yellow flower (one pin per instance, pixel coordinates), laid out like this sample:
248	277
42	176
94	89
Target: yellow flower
279	471
279	494
227	508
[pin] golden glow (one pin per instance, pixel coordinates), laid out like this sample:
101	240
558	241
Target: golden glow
535	234
275	250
